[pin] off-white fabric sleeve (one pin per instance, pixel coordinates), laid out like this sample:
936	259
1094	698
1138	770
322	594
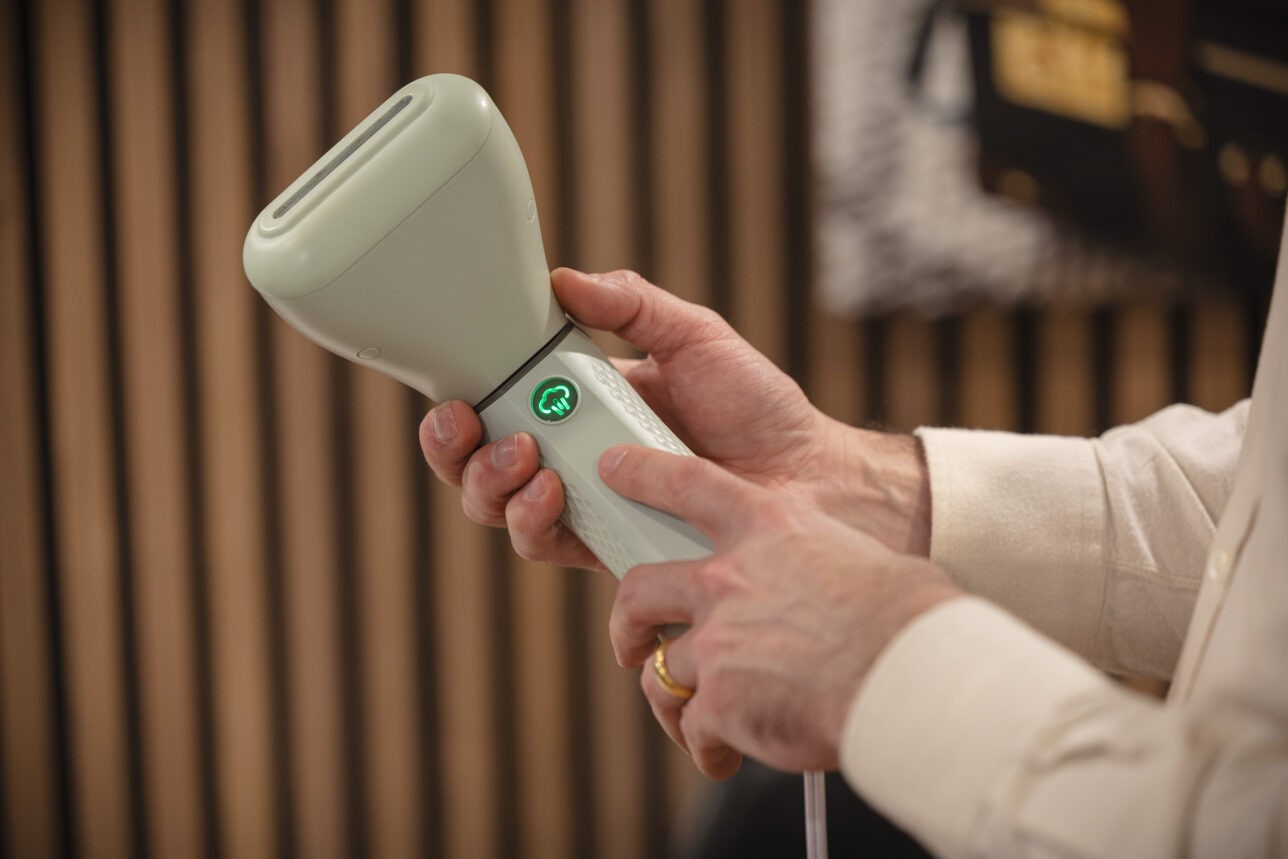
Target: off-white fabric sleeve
1098	543
984	739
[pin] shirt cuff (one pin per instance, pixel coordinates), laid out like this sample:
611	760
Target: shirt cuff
1021	520
948	708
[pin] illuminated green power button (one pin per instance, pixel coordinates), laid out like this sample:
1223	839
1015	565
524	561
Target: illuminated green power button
554	400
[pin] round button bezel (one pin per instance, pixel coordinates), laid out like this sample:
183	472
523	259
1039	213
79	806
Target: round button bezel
553	415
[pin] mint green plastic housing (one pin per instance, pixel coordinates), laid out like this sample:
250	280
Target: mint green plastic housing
425	207
413	247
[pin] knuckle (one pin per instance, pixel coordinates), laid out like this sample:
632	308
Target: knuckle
533	543
473	500
472	510
631	279
719	578
623	619
709	322
691	727
652	692
691	473
525	547
704	644
617	634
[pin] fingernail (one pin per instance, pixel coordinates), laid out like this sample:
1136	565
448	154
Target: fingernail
444	424
536	487
612	458
505	452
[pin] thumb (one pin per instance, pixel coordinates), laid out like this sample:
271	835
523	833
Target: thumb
649	318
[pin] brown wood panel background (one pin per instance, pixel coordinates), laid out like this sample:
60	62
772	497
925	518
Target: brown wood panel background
237	617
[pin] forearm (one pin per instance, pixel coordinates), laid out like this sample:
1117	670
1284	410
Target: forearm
876	482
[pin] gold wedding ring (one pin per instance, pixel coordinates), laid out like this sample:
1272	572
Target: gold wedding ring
664	678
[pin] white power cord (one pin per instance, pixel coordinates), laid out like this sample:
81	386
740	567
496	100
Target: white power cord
815	816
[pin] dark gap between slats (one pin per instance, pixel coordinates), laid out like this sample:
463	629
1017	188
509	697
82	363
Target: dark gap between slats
6	815
348	610
1026	363
66	814
1256	311
117	404
194	434
7	28
651	747
716	78
1180	352
428	719
1104	327
352	742
874	360
274	498
797	277
484	50
584	821
948	370
506	774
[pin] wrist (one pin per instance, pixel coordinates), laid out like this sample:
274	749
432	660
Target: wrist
878	483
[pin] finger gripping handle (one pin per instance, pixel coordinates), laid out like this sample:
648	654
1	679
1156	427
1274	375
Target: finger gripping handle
576	405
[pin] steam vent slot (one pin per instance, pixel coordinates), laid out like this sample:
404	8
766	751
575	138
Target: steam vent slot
330	166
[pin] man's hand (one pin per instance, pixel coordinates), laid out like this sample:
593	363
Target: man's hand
727	401
785	618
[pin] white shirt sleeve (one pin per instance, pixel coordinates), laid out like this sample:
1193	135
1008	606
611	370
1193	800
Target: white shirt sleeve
1098	543
983	738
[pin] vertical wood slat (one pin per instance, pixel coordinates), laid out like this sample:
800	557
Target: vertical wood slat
988	396
683	222
145	228
526	37
911	384
84	494
465	642
612	157
30	817
552	780
681	207
604	216
446	40
756	200
1218	372
1065	399
382	485
836	383
232	473
307	470
1141	378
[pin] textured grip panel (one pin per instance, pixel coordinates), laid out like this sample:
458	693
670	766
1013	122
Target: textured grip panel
630	400
587	525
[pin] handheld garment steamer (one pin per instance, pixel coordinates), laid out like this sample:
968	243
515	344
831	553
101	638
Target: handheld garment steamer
413	247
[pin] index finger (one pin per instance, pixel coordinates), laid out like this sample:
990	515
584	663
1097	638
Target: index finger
695	489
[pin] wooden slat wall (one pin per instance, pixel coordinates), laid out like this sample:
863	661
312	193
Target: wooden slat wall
237	617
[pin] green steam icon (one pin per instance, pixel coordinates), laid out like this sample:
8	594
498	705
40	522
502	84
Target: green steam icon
554	399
